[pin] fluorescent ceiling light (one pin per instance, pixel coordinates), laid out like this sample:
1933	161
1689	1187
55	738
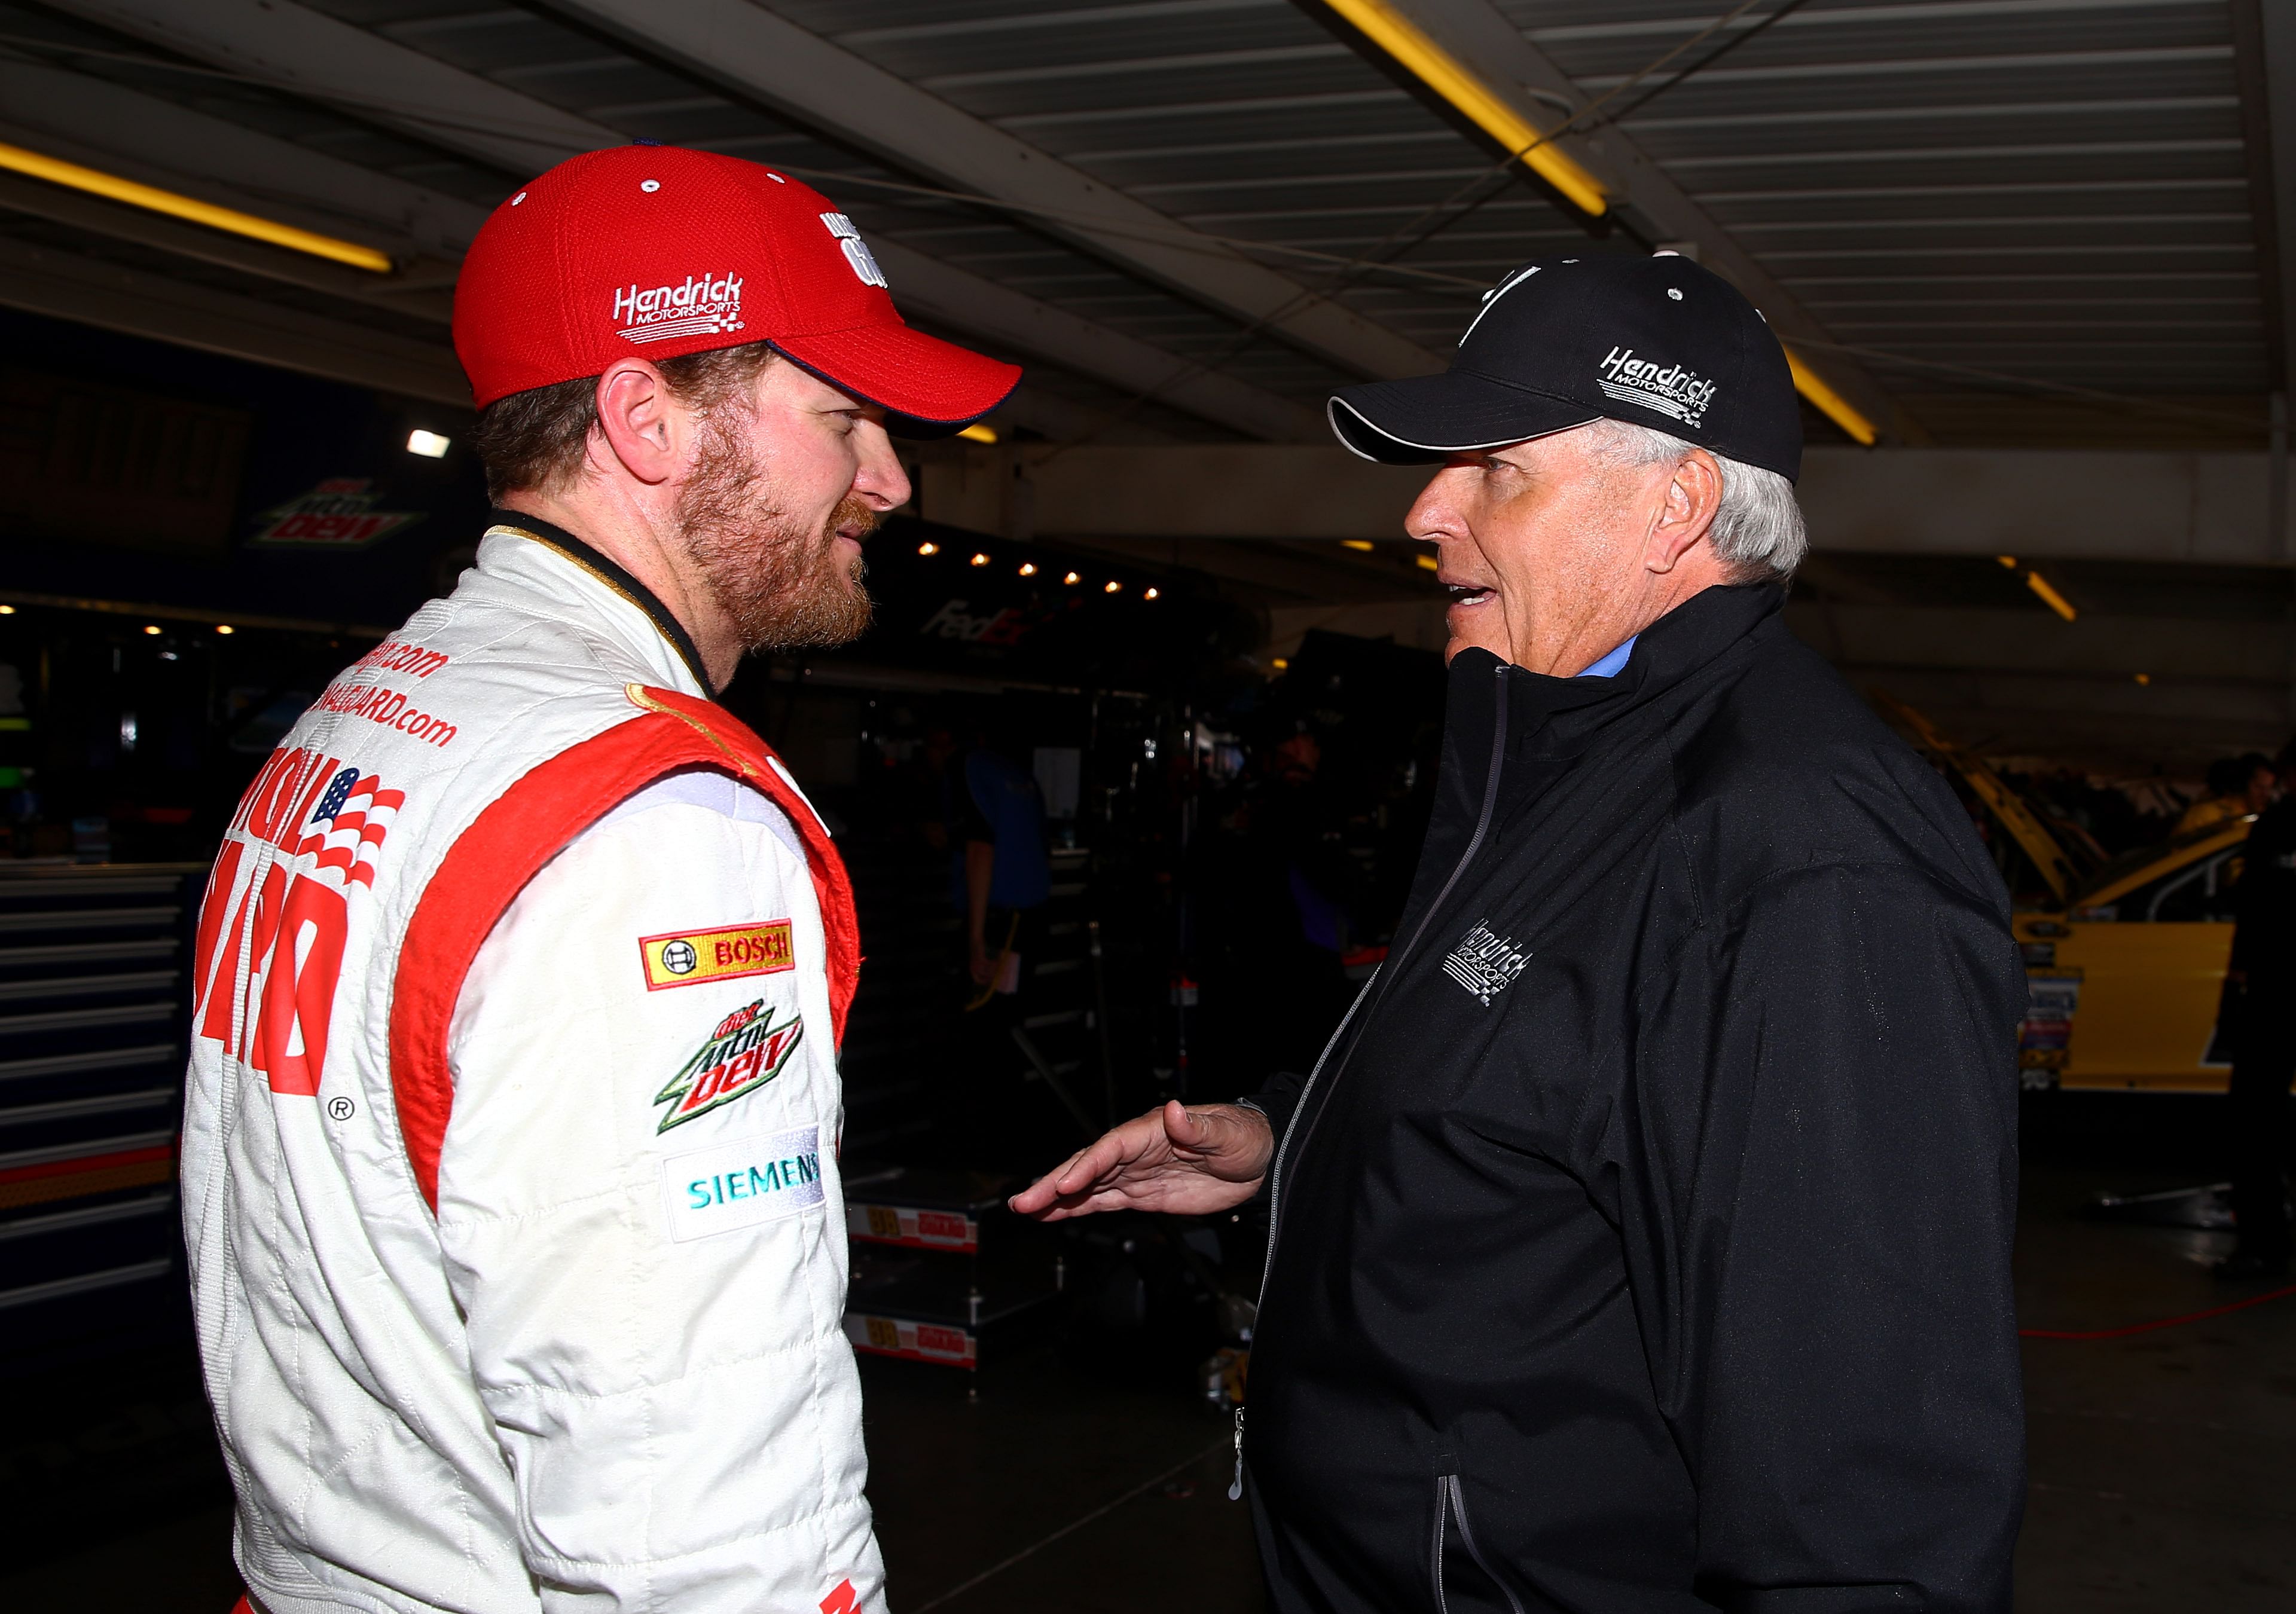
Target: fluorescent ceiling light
2050	597
430	445
1830	403
153	199
1441	72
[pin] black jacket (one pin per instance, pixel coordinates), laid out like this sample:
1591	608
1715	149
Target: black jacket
1642	1242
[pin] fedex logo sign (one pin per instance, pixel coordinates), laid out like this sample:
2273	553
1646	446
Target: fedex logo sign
270	946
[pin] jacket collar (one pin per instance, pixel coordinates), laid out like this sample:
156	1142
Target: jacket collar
615	579
1678	646
1559	718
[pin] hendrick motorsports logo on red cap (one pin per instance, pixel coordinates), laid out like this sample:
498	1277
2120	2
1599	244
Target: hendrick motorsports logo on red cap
703	303
684	252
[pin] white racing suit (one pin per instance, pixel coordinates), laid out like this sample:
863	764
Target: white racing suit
510	1175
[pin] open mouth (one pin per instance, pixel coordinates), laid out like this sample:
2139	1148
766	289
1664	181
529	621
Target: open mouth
1465	593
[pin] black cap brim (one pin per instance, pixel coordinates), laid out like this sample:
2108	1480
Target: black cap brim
1429	418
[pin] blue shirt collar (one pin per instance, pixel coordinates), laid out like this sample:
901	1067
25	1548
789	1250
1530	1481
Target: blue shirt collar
1609	666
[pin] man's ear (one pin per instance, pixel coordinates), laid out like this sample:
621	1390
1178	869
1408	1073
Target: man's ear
640	423
1693	494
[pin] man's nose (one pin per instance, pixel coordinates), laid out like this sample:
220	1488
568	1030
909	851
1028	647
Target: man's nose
878	480
1436	513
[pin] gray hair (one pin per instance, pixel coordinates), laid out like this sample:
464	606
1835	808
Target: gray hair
1757	531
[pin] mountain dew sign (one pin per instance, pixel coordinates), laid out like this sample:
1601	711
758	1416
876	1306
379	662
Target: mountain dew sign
339	513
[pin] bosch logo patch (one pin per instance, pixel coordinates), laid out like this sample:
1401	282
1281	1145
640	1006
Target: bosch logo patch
687	958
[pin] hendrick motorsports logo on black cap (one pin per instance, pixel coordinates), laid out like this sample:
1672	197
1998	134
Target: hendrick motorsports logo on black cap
1672	390
1653	342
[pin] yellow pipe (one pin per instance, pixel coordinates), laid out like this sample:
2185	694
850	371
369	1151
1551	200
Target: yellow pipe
1830	403
1435	68
152	199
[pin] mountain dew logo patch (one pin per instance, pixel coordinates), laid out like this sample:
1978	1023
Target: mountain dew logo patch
746	1051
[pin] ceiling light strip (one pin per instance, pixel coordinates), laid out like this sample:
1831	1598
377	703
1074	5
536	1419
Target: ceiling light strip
152	199
1830	403
2050	597
1441	72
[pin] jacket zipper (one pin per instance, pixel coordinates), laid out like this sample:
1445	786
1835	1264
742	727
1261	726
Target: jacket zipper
1376	984
1450	1500
1387	971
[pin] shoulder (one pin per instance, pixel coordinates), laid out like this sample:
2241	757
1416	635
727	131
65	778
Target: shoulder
704	796
1785	768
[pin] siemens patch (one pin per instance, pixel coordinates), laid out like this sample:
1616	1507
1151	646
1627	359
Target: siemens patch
743	1183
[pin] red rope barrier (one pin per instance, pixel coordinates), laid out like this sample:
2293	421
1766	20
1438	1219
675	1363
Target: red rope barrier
2147	1328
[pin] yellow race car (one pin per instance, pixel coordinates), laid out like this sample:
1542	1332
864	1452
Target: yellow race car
2126	959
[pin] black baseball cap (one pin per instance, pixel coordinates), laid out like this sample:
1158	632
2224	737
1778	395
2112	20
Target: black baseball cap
1654	341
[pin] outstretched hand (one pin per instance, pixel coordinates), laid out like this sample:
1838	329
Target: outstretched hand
1192	1162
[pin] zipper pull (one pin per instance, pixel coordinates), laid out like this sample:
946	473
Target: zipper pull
1235	1488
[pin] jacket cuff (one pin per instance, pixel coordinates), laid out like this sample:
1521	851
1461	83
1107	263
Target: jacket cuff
1276	1100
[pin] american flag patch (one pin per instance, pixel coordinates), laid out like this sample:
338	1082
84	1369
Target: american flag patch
357	814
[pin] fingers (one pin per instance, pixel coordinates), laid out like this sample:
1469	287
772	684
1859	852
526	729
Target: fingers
1230	1142
1074	1175
1040	1194
1211	1130
1095	1165
1189	1129
1062	1211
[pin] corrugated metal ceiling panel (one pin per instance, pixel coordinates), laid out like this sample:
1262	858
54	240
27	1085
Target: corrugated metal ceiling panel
2046	188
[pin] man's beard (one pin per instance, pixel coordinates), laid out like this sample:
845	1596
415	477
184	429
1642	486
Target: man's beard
780	585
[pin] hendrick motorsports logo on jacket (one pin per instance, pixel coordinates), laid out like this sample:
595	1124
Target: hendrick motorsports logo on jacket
744	1053
1486	964
1671	389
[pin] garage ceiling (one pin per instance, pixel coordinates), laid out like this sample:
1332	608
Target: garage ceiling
2007	224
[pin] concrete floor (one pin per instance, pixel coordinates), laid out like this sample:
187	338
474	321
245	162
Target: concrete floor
2161	1465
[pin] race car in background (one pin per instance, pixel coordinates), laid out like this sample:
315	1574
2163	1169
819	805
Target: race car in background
2125	957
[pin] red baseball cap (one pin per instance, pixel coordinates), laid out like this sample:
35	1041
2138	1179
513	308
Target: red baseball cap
657	251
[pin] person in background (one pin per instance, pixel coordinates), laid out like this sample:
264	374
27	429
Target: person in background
1000	877
2238	786
2260	1013
1296	835
999	825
